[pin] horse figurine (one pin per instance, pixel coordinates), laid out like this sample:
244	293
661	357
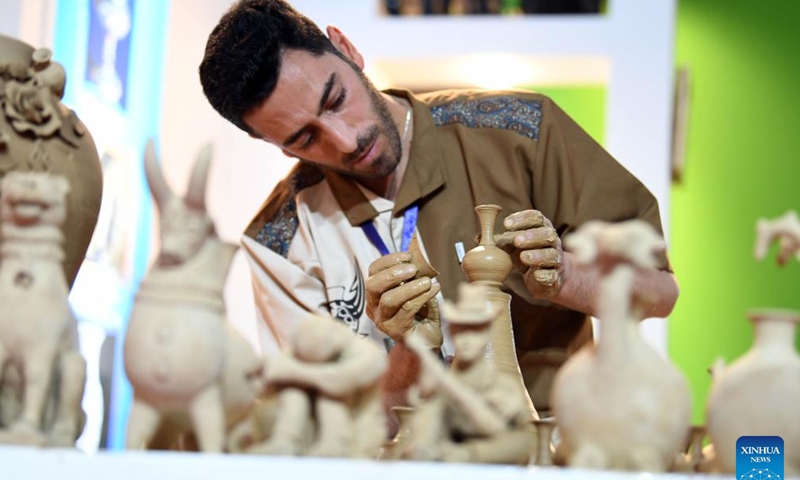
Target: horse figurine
42	373
190	370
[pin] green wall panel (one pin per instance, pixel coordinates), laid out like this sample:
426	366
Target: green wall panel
741	164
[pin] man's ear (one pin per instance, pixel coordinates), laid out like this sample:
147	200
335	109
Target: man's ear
343	44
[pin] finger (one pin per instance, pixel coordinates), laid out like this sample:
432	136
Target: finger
505	240
398	325
389	278
403	320
541	258
391	300
388	261
524	220
415	304
540	237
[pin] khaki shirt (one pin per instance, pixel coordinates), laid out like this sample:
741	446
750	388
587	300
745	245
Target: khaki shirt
518	150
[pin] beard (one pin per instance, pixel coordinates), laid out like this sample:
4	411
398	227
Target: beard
385	163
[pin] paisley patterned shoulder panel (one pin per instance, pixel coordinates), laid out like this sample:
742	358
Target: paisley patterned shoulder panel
278	232
505	112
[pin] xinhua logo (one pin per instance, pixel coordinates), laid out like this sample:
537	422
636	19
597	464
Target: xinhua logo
759	458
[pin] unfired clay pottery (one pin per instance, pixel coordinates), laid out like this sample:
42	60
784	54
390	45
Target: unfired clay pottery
281	423
188	367
394	449
759	394
544	452
619	404
38	133
41	367
489	266
690	458
342	373
468	413
786	230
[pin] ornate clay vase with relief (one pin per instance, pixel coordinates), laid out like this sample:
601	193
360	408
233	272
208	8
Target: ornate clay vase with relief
38	133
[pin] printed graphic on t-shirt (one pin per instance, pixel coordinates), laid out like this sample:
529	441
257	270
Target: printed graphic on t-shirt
349	301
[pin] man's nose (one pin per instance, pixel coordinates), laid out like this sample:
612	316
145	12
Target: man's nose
343	137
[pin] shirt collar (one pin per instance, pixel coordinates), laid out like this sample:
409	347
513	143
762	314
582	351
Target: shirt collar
425	172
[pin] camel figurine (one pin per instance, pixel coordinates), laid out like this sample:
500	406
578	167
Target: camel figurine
191	372
640	406
42	373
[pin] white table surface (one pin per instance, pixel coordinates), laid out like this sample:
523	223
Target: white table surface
22	463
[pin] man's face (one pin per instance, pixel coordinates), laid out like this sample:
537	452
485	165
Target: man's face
324	111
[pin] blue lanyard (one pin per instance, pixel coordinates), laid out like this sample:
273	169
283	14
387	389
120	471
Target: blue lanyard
409	225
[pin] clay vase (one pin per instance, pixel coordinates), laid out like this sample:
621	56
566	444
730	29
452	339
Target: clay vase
394	449
38	133
759	394
489	265
544	454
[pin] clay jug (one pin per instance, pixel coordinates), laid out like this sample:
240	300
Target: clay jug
38	133
489	265
759	394
394	449
619	404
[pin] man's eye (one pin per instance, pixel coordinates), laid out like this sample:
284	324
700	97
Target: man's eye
309	140
337	104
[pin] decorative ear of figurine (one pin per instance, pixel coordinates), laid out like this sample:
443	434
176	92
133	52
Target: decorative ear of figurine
338	377
189	369
640	406
489	265
40	134
469	413
42	373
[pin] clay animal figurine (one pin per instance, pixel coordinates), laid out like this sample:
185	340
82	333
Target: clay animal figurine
341	375
41	370
640	405
189	369
785	230
765	378
469	413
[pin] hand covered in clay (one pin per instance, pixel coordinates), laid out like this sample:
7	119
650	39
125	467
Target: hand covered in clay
536	249
399	303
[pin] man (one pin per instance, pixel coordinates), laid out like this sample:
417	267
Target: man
374	165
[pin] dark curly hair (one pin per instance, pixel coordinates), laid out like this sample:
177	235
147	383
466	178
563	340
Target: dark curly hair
242	61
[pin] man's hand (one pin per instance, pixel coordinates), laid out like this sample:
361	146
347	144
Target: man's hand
395	300
536	248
